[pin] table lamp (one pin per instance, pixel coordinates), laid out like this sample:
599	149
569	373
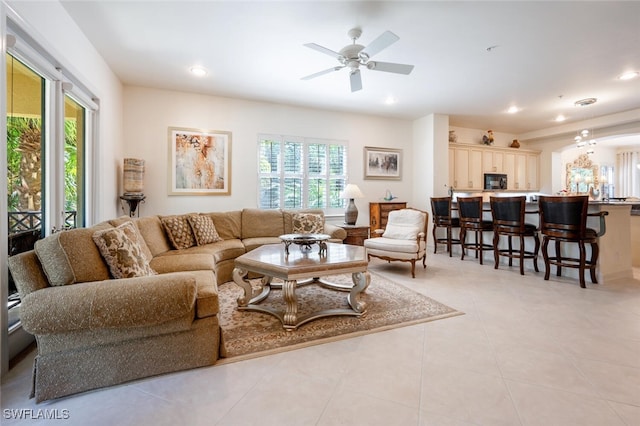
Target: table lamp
350	192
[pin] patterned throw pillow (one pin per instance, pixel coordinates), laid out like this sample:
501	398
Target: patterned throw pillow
307	223
179	231
203	229
120	248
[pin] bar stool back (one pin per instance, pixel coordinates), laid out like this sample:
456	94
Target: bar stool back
470	210
508	220
441	210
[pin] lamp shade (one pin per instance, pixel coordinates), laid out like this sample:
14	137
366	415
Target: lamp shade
351	191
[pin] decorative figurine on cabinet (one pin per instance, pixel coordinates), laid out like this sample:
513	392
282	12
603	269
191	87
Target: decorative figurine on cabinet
488	138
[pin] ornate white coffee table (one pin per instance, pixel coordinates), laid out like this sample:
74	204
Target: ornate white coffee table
297	269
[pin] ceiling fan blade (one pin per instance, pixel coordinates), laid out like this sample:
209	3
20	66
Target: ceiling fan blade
383	41
323	72
390	67
324	50
356	81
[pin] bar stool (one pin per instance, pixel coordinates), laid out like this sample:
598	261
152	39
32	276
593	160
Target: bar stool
441	209
564	219
470	209
508	219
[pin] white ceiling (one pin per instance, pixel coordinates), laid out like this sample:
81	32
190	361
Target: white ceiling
547	54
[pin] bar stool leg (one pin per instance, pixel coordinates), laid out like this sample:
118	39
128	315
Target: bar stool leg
435	239
545	256
463	237
496	251
521	254
583	258
595	251
558	259
535	252
510	252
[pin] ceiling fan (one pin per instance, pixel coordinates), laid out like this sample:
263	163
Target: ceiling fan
354	55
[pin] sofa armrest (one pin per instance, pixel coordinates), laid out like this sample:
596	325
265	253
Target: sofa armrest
119	303
335	232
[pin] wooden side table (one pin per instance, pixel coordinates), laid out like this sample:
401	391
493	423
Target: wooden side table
355	234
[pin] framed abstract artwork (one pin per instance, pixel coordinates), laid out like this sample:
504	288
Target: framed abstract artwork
199	162
382	163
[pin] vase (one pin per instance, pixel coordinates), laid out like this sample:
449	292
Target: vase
133	176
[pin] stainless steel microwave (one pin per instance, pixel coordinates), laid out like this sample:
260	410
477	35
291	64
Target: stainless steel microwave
495	181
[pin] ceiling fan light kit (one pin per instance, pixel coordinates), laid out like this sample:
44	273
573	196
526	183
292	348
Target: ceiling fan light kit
355	55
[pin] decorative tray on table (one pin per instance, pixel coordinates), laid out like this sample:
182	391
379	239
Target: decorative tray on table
305	241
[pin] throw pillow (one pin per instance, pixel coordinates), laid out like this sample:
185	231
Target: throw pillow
307	223
120	248
179	231
203	229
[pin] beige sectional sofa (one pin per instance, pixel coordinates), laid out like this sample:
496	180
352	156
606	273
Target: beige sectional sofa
104	315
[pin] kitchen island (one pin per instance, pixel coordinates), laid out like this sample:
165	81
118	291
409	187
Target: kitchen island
615	257
619	246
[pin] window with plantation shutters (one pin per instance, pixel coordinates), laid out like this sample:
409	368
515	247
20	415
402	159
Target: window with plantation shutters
301	172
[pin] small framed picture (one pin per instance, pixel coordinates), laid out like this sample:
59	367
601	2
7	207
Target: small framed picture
382	163
199	162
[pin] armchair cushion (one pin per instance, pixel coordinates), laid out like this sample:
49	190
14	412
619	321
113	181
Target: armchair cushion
404	224
394	245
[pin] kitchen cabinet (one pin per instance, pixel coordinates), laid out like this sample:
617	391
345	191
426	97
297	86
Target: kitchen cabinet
467	168
492	161
469	163
533	172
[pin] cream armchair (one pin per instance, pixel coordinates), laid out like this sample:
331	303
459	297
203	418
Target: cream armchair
404	239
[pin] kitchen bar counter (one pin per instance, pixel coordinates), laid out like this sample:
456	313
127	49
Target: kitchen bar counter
619	246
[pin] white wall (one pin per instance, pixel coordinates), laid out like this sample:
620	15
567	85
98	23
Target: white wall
150	112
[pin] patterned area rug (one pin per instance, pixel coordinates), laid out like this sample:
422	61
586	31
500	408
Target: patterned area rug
247	334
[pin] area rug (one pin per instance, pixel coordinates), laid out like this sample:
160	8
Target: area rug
247	334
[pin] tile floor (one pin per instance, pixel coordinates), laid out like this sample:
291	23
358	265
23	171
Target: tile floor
526	352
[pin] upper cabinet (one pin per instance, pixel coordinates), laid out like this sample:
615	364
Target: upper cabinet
467	167
468	164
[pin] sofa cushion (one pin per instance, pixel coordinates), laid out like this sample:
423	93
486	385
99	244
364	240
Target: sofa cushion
287	216
71	256
203	229
154	235
251	243
228	224
307	223
179	231
143	245
261	223
120	248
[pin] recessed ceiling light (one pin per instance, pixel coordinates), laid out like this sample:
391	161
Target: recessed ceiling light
560	118
198	71
629	75
390	100
513	109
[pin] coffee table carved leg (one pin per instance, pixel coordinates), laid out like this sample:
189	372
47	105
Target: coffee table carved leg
247	298
290	317
361	281
238	278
